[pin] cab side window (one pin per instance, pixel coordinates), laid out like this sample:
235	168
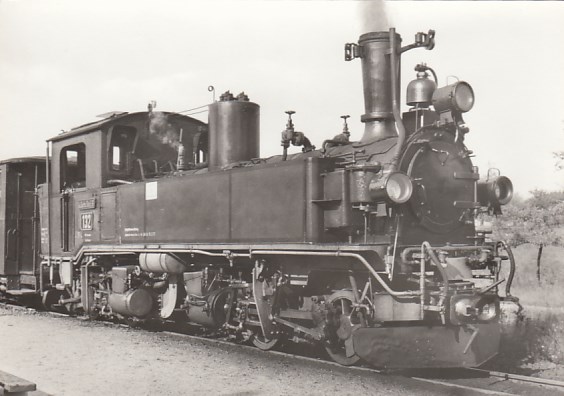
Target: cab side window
73	166
121	148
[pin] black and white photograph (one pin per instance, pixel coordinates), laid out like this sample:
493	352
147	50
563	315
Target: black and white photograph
281	197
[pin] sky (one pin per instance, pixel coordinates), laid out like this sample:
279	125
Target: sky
62	62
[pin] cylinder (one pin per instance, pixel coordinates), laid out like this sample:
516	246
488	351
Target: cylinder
160	262
134	302
377	85
211	311
234	129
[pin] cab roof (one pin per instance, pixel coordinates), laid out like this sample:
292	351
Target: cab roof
23	160
113	119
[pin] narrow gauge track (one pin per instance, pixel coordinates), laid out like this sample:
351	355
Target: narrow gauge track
473	379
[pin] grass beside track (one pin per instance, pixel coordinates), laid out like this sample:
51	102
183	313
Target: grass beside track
533	341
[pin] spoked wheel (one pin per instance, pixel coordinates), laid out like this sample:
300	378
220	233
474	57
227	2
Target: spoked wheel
262	291
260	342
341	321
51	300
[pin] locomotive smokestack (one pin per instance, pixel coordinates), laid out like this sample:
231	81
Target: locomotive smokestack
374	50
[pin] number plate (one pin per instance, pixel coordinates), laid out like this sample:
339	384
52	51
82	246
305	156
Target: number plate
86	221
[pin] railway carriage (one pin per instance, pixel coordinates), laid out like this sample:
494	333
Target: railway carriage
19	225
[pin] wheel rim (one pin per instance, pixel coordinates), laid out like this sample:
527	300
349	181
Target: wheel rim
51	301
260	342
341	322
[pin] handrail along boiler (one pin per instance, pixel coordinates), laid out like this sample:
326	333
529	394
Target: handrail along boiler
367	247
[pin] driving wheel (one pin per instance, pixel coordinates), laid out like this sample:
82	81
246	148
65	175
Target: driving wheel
342	320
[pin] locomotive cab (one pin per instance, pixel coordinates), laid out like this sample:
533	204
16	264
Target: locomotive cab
89	165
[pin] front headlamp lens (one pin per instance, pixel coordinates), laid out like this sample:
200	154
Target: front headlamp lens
457	97
463	97
505	190
497	191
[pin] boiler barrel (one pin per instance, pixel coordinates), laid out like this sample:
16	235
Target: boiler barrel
234	130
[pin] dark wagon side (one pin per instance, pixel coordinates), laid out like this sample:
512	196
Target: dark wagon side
19	224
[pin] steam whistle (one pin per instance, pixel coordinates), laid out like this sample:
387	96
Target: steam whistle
289	135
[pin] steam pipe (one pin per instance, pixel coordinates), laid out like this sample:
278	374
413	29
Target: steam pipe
395	100
438	264
511	268
274	252
410	250
332	141
342	254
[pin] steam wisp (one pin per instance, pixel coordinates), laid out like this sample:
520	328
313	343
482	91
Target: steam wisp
165	131
373	16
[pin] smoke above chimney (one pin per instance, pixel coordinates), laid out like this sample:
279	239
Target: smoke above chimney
373	16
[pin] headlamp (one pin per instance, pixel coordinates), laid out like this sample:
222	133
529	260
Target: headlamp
457	97
395	188
495	192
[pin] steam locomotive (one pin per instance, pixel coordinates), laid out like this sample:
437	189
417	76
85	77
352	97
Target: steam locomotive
368	248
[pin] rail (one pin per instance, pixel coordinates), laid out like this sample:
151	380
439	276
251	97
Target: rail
518	377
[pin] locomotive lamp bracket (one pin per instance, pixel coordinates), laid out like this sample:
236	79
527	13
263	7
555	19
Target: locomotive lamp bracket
425	40
352	51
